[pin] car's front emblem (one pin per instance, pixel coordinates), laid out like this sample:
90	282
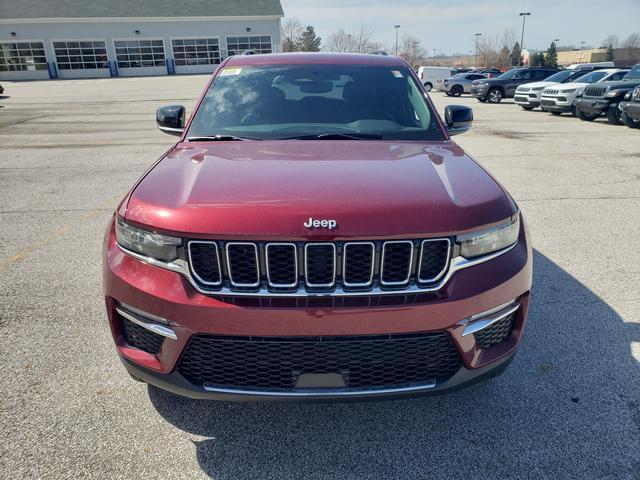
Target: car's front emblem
324	223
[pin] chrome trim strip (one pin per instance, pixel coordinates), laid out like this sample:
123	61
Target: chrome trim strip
483	322
404	282
255	251
319	392
152	327
306	262
181	266
295	264
344	264
446	263
193	270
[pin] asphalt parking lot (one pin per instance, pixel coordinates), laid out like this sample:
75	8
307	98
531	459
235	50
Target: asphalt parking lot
568	406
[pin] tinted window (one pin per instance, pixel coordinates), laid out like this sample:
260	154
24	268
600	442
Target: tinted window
592	77
634	74
617	76
282	101
475	77
540	74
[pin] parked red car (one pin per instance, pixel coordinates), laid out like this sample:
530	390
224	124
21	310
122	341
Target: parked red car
316	234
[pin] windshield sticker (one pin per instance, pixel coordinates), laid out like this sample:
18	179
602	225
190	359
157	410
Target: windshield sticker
230	71
397	73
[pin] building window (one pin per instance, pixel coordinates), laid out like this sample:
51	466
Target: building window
196	51
257	43
22	56
81	55
139	53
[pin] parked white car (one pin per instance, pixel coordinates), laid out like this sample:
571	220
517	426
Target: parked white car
559	99
429	76
528	95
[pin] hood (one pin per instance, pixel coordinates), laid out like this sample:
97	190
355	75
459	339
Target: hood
630	84
264	189
536	85
571	85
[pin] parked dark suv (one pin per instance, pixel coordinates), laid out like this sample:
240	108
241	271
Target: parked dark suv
631	109
493	90
605	97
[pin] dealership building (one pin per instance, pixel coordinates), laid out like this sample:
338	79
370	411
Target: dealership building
41	39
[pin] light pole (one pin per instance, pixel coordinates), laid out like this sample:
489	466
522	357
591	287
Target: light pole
524	15
397	27
478	35
581	47
434	55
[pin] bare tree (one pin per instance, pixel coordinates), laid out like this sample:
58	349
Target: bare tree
362	40
412	50
340	41
611	40
488	50
632	41
291	31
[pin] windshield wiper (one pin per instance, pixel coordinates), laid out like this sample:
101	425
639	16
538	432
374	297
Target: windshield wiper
219	138
337	136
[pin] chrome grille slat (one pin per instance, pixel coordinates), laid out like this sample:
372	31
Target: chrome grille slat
318	268
241	266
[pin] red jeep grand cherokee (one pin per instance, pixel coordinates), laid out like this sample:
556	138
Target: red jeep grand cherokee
316	234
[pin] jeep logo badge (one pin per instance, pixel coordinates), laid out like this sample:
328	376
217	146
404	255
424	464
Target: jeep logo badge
324	223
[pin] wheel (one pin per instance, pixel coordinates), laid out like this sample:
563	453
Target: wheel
557	114
574	111
494	95
456	90
614	115
587	117
527	107
630	122
428	86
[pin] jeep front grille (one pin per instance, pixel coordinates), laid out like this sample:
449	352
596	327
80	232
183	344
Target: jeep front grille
594	91
317	267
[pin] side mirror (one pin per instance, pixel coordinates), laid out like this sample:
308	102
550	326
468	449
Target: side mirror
458	119
170	119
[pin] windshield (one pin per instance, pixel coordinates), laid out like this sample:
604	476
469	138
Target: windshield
561	76
634	74
593	77
509	74
266	102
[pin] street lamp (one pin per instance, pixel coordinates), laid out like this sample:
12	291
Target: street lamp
524	15
478	35
397	27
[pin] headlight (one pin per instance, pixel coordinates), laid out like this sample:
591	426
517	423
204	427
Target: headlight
488	241
536	89
611	94
149	244
483	84
570	90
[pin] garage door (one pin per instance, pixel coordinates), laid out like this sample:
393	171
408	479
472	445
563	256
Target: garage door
81	59
140	57
23	61
256	43
196	55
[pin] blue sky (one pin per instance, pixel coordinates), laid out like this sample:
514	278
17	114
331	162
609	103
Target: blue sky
449	25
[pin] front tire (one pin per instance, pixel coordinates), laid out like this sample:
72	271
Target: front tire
428	86
587	117
614	115
630	122
494	95
456	90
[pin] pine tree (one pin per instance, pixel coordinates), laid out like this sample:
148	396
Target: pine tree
551	57
309	41
538	60
516	54
610	53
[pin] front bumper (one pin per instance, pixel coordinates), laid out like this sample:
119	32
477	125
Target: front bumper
479	92
554	104
631	109
592	105
527	99
169	297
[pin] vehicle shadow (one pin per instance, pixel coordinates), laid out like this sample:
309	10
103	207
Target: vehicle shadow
569	405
